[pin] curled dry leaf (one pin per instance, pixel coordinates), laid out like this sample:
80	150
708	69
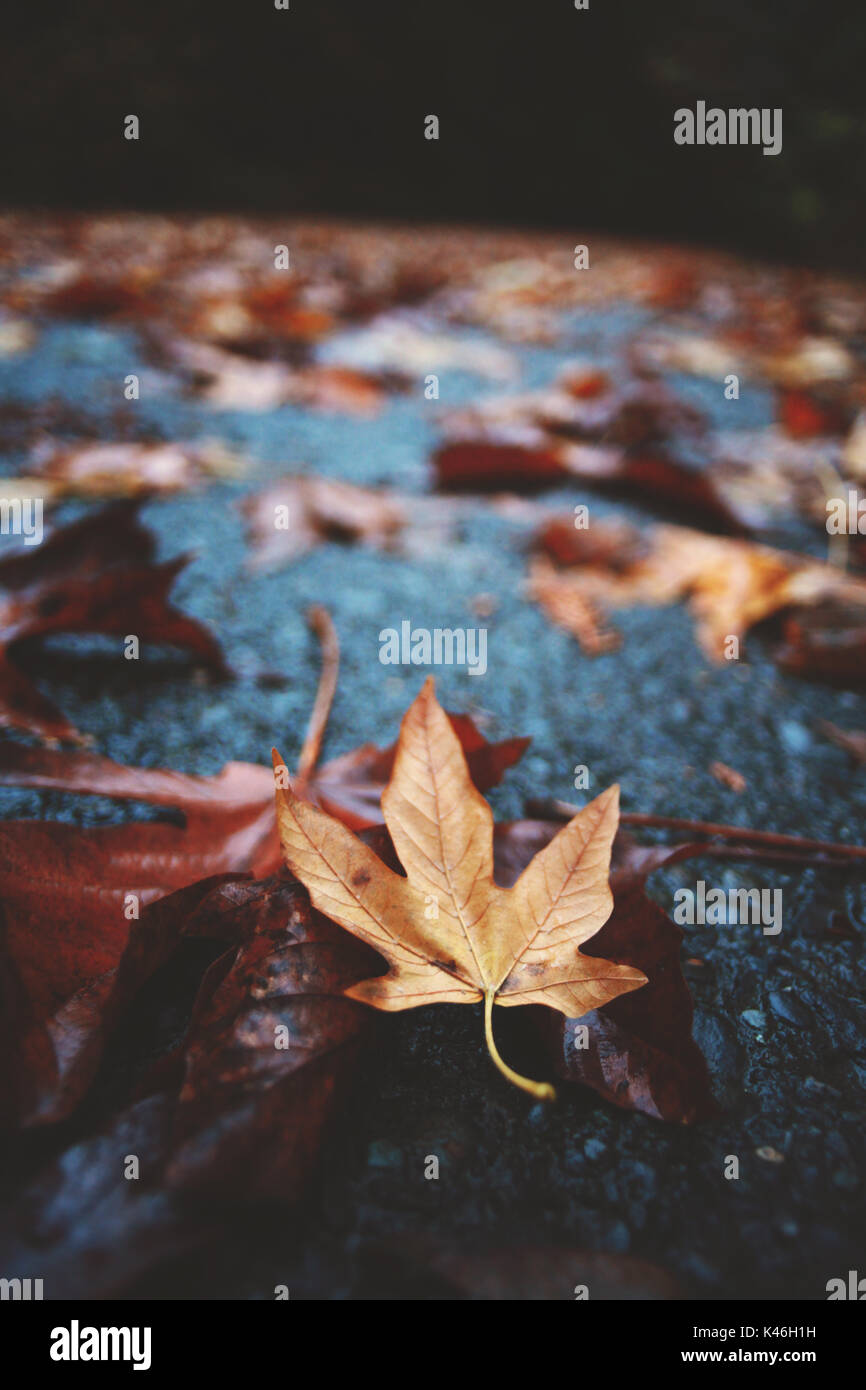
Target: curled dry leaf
272	1041
299	512
448	932
98	576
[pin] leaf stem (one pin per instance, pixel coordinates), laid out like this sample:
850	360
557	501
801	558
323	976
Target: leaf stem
539	1089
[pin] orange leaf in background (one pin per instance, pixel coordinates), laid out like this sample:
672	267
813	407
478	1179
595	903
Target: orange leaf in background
731	585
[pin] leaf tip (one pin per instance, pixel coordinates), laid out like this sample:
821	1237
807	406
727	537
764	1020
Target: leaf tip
282	780
607	802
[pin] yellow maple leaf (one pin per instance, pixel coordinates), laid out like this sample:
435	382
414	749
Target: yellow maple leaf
447	931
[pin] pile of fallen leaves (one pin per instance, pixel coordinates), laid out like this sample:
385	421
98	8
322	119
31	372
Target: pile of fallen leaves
249	934
447	930
284	952
347	321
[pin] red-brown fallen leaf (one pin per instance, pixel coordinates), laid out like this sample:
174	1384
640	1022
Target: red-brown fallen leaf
272	1042
663	480
350	787
63	891
237	787
809	414
70	960
493	464
619	438
586	384
97	575
339	390
641	1054
641	1058
249	1118
826	643
229	817
674	286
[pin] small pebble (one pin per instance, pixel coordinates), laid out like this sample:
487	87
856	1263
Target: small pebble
796	737
754	1017
786	1004
769	1154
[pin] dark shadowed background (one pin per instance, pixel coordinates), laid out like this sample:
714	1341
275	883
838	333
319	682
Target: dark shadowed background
549	115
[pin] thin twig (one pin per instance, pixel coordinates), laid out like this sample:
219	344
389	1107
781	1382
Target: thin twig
320	622
563	810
